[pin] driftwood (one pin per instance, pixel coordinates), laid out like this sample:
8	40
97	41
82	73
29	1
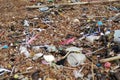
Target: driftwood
110	59
70	4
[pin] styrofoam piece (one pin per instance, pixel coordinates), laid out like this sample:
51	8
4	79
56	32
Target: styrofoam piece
49	58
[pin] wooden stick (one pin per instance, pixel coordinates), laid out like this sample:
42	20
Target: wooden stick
66	55
98	50
70	4
110	59
93	77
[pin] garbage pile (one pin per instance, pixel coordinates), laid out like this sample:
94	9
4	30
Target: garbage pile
64	42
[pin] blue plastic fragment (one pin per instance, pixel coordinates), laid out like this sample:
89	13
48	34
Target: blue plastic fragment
5	47
98	65
44	9
99	23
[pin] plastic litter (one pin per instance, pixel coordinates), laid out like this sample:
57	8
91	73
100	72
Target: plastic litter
26	23
74	49
32	39
4	47
117	36
107	65
92	38
99	23
36	56
49	58
75	1
68	41
75	59
37	47
44	9
16	76
24	50
51	48
78	74
3	70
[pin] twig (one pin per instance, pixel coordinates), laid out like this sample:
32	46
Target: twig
110	59
92	71
70	4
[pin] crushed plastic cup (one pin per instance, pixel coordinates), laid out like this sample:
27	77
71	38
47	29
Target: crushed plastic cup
75	59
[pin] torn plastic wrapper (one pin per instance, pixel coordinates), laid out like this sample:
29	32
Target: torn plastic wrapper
51	48
2	71
74	49
92	38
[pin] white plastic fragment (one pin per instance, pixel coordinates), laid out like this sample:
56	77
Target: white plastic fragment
40	79
75	49
77	74
75	1
2	71
49	58
26	23
38	29
92	38
29	68
23	50
37	47
117	36
51	48
43	9
107	32
75	59
36	56
76	21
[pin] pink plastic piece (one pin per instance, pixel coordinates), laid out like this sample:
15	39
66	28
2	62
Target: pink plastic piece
107	65
68	41
31	40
